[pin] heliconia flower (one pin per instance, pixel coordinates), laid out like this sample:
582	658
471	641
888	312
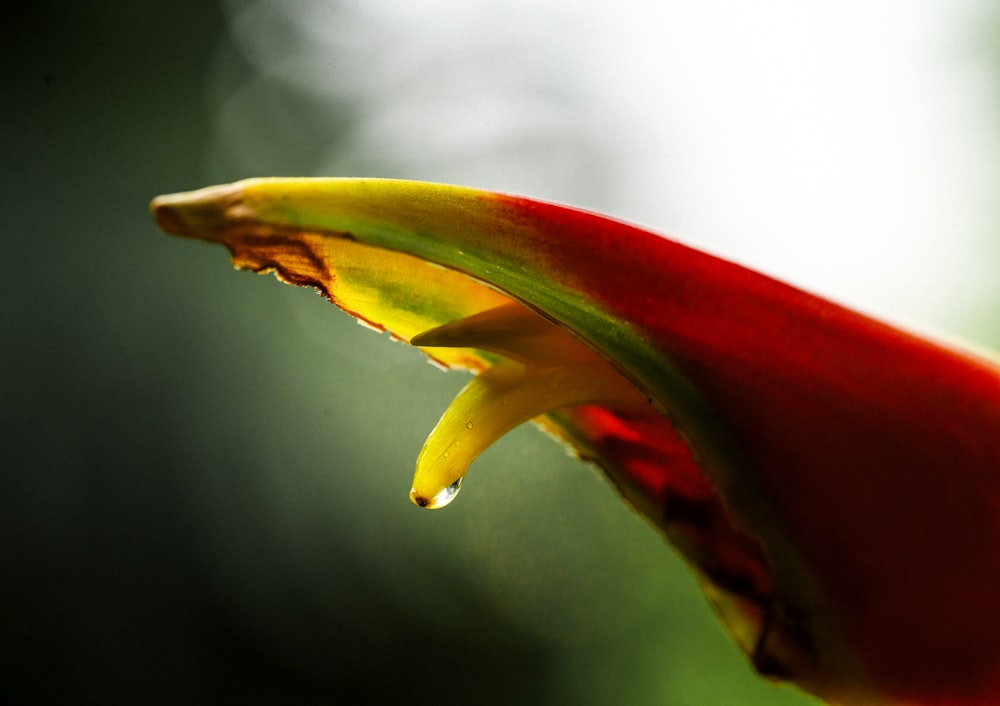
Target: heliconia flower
833	481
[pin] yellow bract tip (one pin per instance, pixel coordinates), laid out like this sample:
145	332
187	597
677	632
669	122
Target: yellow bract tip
544	368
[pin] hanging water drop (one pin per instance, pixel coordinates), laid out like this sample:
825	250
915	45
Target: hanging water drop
445	496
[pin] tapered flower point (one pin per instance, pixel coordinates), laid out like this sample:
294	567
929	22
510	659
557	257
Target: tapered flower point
542	369
833	481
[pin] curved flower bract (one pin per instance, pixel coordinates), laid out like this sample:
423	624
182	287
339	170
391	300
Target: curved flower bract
834	481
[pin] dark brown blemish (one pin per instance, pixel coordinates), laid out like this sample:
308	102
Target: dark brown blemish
278	241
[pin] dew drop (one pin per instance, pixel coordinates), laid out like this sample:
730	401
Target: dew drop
441	499
468	425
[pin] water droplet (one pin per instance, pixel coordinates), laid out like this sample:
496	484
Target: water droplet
468	425
445	496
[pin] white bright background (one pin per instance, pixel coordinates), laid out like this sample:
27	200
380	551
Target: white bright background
848	147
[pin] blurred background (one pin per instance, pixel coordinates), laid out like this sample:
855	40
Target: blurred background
204	493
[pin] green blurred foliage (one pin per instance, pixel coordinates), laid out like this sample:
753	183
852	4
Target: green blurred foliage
204	492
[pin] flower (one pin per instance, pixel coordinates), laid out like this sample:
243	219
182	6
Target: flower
834	481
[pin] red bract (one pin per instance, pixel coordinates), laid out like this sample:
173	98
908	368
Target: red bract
833	480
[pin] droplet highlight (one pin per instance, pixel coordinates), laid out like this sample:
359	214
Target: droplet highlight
445	496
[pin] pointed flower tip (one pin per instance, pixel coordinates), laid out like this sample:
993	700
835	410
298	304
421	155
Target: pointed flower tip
201	214
443	497
543	369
